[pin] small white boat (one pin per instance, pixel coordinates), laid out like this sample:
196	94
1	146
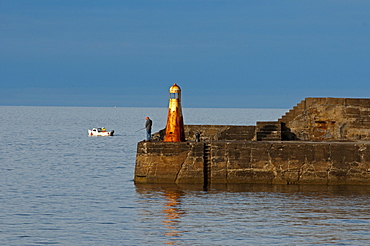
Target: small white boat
100	132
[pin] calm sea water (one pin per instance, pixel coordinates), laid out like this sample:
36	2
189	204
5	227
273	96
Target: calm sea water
59	186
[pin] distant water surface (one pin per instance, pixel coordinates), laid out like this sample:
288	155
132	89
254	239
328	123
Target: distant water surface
59	186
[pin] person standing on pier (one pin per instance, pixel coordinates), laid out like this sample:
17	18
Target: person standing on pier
148	127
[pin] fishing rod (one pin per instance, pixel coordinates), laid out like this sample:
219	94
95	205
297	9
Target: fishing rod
139	130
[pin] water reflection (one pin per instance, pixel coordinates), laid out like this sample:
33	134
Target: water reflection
234	214
332	190
171	211
172	214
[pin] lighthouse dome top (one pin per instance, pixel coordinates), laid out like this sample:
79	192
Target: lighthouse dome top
175	88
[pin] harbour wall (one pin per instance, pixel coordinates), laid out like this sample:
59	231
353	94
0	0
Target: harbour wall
283	162
319	141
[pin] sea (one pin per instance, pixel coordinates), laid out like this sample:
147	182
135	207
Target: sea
59	186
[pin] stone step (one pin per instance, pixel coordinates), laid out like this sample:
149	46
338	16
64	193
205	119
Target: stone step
294	112
268	130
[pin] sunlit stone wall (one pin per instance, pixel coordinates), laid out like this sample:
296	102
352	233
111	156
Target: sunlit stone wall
254	162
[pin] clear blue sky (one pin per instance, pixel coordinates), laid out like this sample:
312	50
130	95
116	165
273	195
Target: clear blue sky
222	53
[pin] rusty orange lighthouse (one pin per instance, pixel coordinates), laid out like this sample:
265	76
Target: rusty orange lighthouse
175	123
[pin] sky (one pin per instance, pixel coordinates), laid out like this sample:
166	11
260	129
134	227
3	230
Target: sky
222	53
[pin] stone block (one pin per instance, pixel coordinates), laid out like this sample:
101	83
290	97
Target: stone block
342	155
259	152
250	176
357	102
335	101
352	112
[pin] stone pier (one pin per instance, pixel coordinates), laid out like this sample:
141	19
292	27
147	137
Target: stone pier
320	141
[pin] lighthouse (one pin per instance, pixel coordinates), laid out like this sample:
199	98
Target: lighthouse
175	122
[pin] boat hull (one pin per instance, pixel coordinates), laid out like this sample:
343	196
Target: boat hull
101	134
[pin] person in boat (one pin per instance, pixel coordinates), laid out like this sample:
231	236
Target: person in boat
103	129
148	127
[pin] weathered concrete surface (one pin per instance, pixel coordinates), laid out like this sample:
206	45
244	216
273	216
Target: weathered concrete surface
166	162
329	163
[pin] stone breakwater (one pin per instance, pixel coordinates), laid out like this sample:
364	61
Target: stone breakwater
320	141
327	163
